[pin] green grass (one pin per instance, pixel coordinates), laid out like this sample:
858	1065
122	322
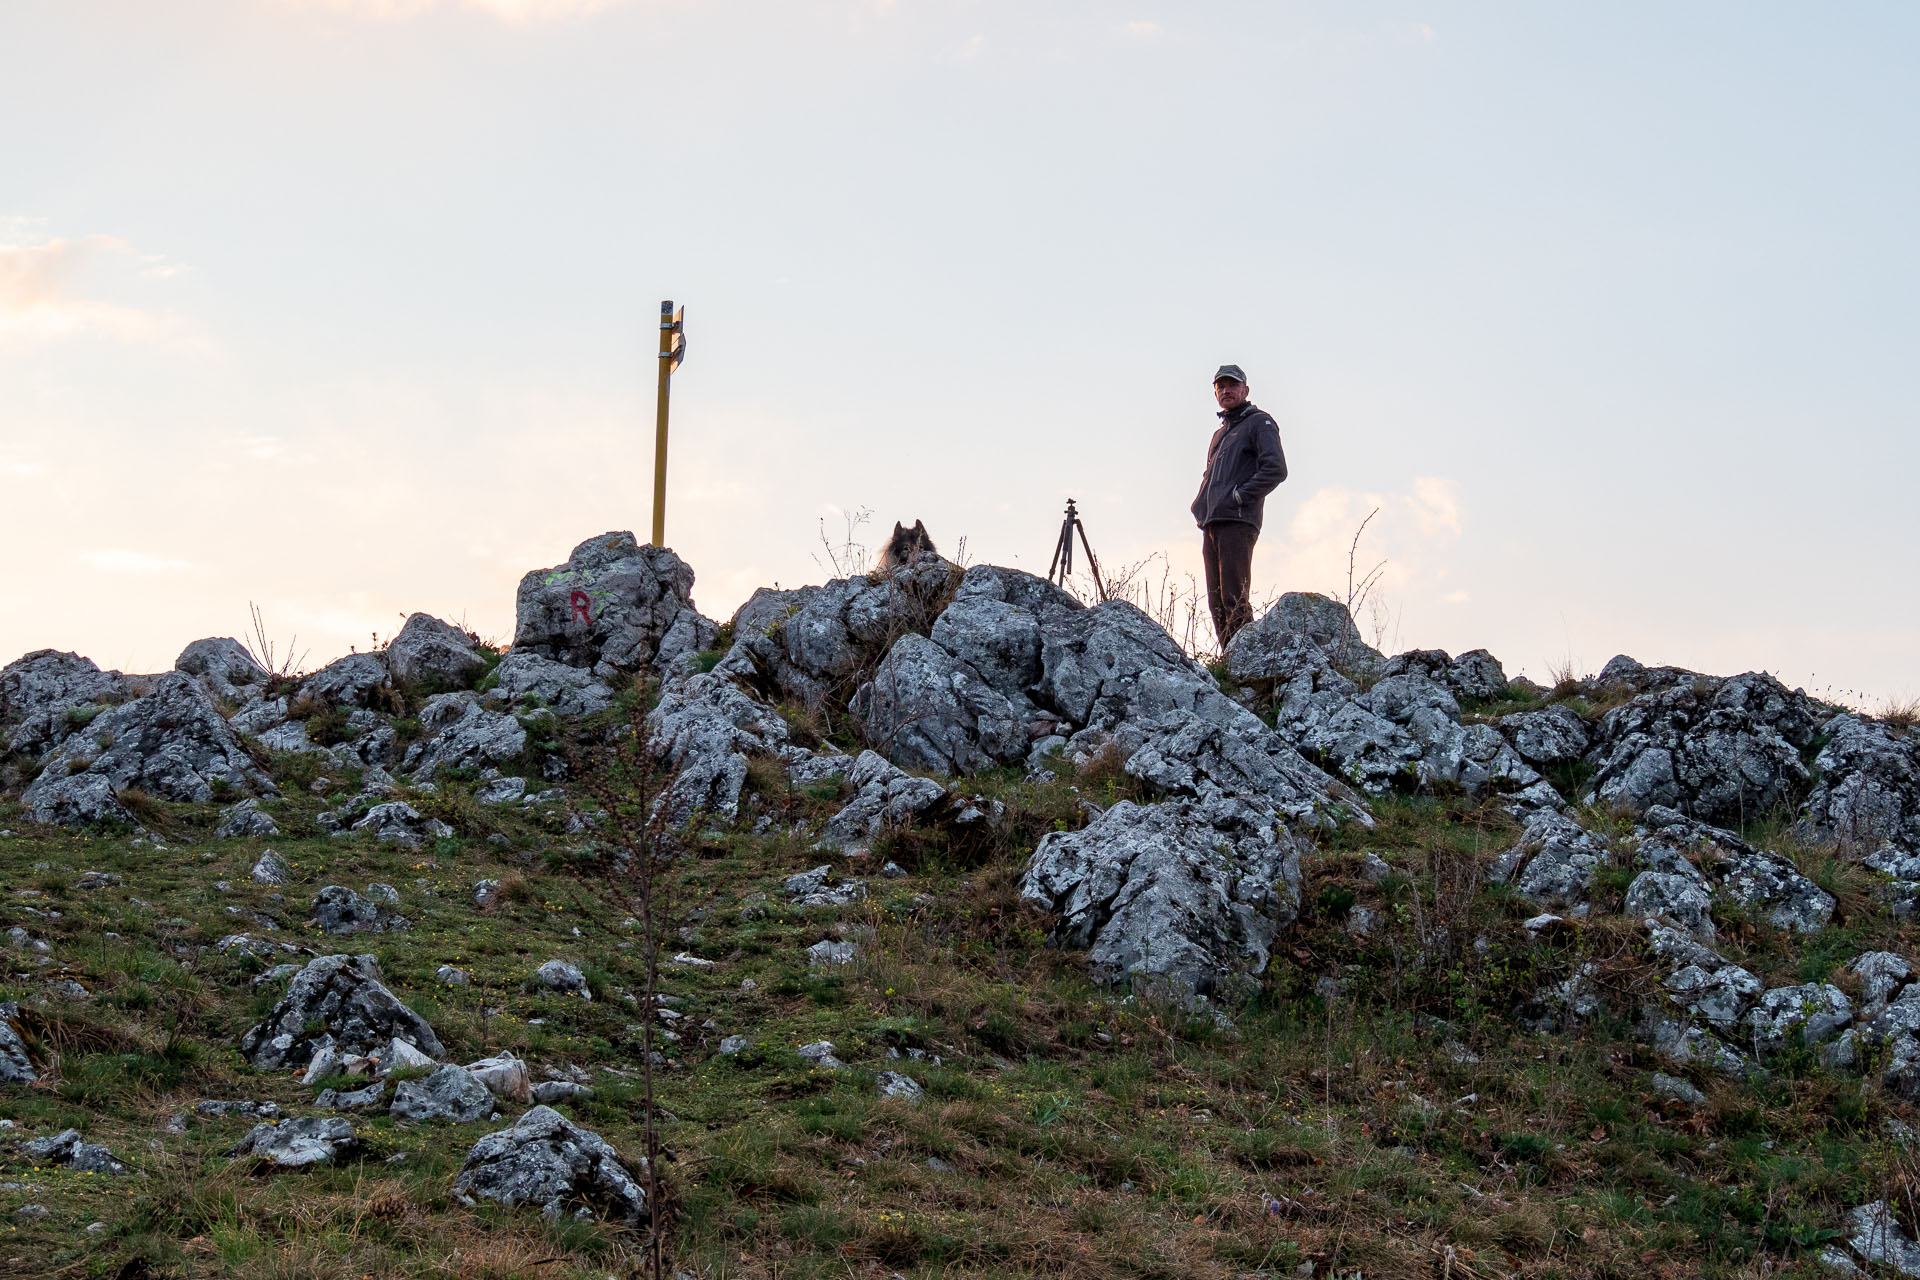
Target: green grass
1066	1130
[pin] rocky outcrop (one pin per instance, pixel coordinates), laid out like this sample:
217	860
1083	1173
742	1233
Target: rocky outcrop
16	1067
462	734
431	655
1554	861
173	744
339	910
615	606
450	1093
706	726
546	1162
344	999
530	684
1718	750
48	695
1183	898
397	822
296	1144
1262	649
1868	795
885	796
226	668
357	680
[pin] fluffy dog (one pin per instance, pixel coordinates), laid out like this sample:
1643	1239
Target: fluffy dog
905	546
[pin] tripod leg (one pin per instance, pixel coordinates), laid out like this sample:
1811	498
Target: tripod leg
1054	569
1092	563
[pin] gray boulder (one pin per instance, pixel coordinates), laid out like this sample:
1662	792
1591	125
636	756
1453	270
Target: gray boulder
1322	621
547	1162
1719	995
1680	901
296	1144
885	797
1868	794
450	1093
1553	862
225	668
1877	1237
1718	750
397	822
614	606
47	695
707	726
339	910
66	1148
16	1067
1808	1014
829	953
1181	899
173	744
926	709
1883	975
339	997
813	644
1764	883
357	680
431	654
271	868
820	888
1550	736
462	734
529	682
564	978
243	819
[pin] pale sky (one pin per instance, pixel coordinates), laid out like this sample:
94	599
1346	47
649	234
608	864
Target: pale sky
346	307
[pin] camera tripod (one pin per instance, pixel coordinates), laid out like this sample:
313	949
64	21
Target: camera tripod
1063	552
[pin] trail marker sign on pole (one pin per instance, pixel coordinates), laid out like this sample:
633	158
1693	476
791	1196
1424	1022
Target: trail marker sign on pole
673	349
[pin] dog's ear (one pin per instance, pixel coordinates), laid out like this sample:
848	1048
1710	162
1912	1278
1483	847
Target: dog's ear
920	528
898	528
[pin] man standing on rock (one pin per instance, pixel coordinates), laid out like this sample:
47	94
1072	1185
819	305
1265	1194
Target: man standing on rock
1244	465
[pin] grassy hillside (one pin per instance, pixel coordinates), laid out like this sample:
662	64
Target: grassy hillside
1381	1109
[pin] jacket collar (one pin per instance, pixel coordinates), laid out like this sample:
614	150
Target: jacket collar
1230	416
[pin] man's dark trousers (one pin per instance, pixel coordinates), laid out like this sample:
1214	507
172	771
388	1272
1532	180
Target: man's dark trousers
1226	549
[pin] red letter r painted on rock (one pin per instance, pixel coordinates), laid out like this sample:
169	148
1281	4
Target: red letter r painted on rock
581	613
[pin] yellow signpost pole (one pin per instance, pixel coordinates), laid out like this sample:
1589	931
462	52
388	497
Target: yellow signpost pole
673	345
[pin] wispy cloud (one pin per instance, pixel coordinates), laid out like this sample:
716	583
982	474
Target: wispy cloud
40	297
119	560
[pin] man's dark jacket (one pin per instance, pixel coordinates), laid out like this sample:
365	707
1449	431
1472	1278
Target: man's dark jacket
1244	465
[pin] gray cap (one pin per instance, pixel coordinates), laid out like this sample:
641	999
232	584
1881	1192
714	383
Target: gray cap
1230	372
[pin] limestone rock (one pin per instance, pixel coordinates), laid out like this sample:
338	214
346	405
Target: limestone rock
357	680
462	734
1721	996
431	654
1554	861
47	695
1868	794
928	710
904	1088
505	1076
339	910
819	1054
1550	736
547	1162
397	822
1715	749
529	683
886	796
295	1144
450	1093
1882	974
16	1067
817	888
1677	900
1171	896
1763	882
564	978
614	606
172	744
1806	1014
243	819
271	868
706	726
1321	620
225	668
828	953
1876	1235
340	997
66	1148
